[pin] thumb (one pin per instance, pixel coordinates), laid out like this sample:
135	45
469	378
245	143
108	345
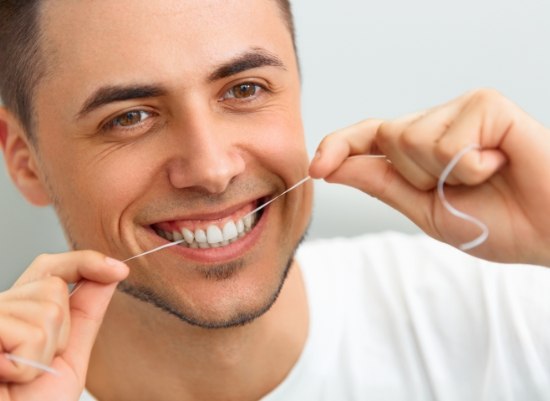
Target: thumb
87	309
378	178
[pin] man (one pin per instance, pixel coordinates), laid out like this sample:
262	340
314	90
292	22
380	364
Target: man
144	122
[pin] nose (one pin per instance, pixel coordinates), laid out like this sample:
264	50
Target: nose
207	157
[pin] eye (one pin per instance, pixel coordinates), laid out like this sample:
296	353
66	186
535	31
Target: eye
245	90
129	119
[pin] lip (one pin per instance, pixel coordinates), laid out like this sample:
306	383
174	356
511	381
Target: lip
211	216
221	254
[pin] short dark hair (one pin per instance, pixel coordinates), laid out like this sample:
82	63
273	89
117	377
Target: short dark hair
22	62
21	65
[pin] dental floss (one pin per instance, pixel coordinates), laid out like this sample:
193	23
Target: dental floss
303	180
32	363
79	284
455	212
154	250
440	190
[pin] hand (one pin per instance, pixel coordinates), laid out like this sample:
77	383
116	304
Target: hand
505	183
38	321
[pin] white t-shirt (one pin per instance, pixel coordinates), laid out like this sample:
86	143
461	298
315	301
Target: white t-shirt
396	317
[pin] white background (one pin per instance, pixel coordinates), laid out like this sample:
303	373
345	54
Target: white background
366	59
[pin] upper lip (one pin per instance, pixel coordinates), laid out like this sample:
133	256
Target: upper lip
211	215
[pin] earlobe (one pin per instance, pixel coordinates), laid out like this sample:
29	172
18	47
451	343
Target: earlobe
20	160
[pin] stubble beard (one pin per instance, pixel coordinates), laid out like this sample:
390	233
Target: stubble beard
218	272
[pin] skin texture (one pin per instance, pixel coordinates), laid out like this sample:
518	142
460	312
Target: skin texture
194	150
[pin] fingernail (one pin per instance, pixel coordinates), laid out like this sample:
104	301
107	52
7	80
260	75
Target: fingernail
317	155
114	262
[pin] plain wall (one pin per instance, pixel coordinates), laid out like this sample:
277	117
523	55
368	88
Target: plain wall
365	59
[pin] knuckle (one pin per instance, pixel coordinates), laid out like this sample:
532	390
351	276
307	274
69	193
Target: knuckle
43	259
37	270
55	286
368	122
37	337
53	313
486	97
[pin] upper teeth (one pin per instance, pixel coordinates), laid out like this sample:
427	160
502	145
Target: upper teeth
213	235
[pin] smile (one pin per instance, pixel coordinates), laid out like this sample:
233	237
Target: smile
216	232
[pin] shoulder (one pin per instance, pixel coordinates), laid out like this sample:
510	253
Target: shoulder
416	279
381	254
410	306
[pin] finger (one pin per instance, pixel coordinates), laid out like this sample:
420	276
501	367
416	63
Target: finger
52	317
48	288
380	179
417	141
338	146
46	300
389	139
88	307
481	122
74	266
26	341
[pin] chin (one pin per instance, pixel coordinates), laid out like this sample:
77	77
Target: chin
222	299
231	306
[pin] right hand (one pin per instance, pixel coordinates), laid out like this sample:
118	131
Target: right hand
40	322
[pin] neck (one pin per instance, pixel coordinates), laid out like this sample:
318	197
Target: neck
164	359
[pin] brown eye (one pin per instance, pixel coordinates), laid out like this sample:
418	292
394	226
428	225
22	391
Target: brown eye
242	91
129	119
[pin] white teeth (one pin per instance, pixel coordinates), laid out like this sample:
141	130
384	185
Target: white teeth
214	235
188	235
230	231
240	226
200	236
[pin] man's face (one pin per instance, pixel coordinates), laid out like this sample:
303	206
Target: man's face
164	118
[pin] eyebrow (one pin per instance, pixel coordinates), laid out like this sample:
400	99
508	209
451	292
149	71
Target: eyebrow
118	93
254	58
249	60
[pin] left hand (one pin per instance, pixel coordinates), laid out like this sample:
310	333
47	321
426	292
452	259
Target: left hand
505	183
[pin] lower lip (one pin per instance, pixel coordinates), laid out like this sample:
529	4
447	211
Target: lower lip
223	253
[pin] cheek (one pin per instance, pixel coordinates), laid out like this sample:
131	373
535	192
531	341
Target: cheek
119	179
99	187
280	146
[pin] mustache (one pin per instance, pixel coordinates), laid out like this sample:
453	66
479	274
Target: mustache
198	198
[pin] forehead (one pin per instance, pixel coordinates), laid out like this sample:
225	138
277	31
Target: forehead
92	40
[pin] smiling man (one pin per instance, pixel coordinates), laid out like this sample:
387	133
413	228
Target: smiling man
158	121
149	122
160	135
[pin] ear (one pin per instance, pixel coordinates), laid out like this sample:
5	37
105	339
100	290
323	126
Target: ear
21	160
